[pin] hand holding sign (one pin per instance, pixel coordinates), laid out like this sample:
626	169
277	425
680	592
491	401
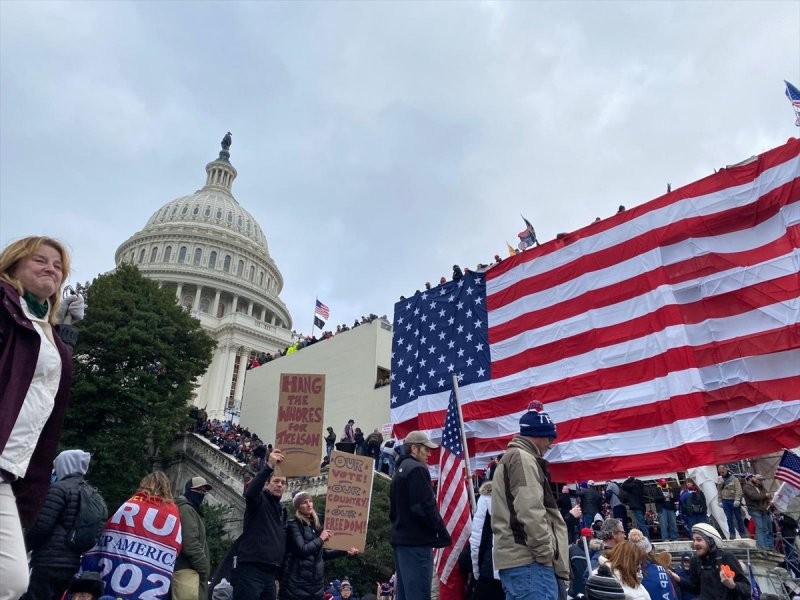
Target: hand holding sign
348	500
298	430
275	457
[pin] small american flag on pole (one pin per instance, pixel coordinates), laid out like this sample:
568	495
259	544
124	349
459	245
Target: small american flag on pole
793	94
789	469
322	310
452	498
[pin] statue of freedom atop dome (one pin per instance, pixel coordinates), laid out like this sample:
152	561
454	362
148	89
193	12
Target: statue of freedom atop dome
226	141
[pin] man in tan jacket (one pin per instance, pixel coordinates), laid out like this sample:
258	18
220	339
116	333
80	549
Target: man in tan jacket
531	550
758	500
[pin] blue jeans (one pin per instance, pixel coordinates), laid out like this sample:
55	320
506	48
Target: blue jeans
641	522
389	462
763	530
252	581
732	512
621	512
669	525
414	566
692	520
530	582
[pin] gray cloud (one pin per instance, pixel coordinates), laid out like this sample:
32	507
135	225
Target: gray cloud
377	143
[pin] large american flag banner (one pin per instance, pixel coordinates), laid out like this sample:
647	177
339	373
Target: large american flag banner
452	497
661	338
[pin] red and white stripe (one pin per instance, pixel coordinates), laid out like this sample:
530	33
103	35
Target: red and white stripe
453	502
665	337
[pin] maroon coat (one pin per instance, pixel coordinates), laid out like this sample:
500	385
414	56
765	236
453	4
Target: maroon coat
19	351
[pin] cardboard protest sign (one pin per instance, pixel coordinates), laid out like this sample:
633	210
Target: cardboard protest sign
348	500
298	431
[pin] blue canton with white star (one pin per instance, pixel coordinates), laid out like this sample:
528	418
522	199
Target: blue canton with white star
438	333
451	434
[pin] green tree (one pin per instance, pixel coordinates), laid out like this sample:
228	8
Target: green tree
216	517
136	363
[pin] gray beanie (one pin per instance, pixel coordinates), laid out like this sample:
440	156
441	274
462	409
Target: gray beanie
299	498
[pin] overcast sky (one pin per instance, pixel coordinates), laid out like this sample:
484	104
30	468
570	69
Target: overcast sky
377	143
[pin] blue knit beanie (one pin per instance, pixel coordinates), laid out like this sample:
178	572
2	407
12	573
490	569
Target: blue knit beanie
536	423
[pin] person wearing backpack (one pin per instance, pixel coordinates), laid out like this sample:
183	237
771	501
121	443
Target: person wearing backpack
693	507
53	560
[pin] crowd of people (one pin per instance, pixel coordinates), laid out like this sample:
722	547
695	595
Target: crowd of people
309	340
602	539
231	438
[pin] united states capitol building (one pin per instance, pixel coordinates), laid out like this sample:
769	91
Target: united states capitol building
214	256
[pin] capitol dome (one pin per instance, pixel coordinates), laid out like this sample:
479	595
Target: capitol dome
214	255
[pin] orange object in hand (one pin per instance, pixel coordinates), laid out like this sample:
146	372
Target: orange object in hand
727	570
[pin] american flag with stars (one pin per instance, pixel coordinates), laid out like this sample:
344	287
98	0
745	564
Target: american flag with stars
789	469
437	334
661	338
793	94
452	497
322	310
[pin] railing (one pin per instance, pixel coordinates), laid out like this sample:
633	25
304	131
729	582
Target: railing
225	468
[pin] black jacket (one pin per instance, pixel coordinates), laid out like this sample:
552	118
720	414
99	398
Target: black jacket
704	581
412	511
667	501
48	536
634	488
564	502
263	536
304	576
591	501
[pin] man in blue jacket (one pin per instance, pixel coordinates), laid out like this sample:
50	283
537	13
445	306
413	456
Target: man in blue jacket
417	526
260	548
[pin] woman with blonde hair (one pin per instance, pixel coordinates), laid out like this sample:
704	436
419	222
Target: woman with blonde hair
655	576
35	375
625	561
304	576
156	487
136	551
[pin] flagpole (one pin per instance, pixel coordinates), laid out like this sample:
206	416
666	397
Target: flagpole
464	445
314	319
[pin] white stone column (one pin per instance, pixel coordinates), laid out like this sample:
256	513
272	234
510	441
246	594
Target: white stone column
196	305
179	292
216	304
225	380
250	309
263	312
274	317
237	394
235	304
